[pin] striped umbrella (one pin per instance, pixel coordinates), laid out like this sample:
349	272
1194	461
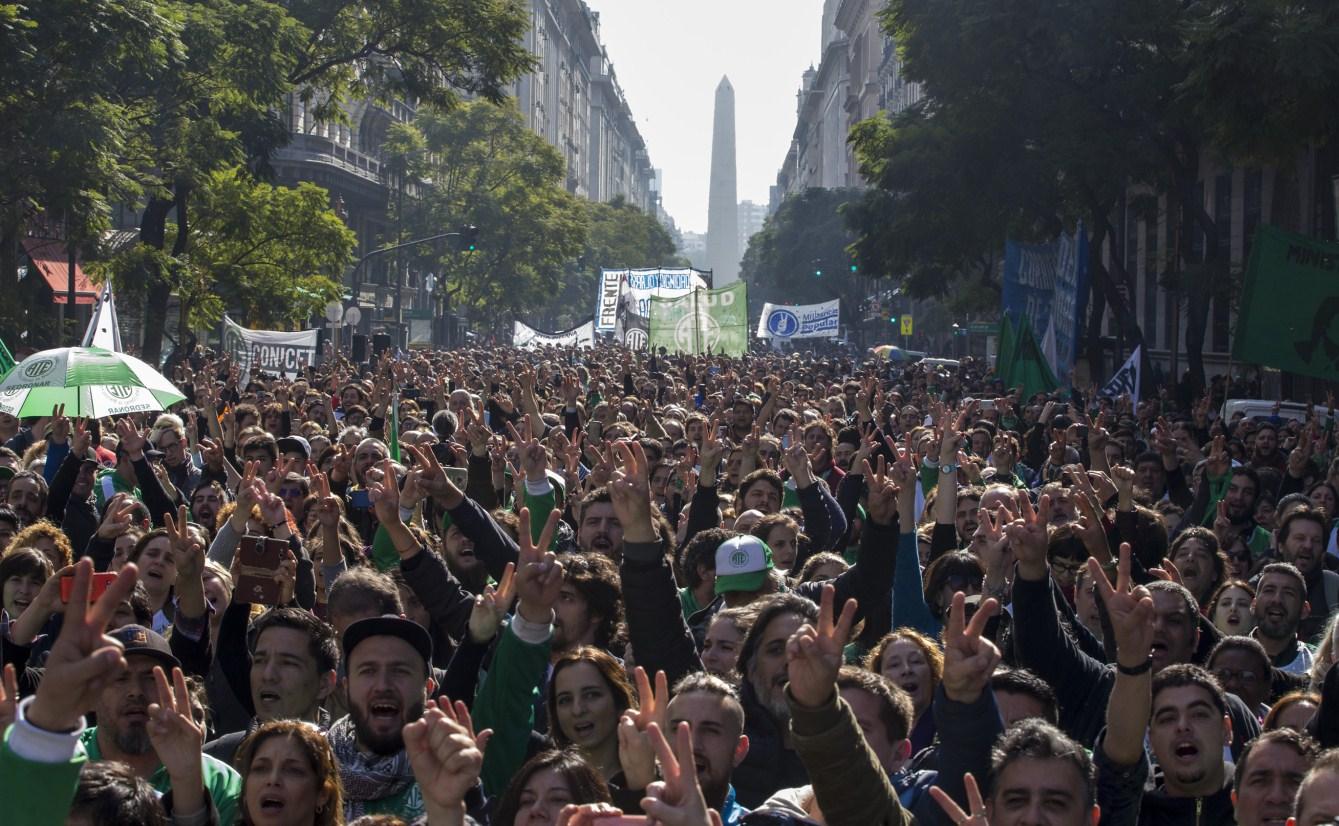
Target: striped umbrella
89	381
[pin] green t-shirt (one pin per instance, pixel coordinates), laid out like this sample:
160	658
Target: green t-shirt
222	782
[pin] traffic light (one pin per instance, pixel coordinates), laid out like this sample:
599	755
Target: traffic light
892	319
818	268
854	268
469	238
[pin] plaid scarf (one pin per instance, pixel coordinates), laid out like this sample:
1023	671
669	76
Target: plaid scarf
366	778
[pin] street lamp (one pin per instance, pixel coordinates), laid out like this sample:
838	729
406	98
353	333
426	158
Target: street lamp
470	233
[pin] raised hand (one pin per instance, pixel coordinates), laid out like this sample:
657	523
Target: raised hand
814	653
1130	608
446	757
631	494
1028	536
327	504
83	660
539	576
1219	462
131	439
797	460
177	738
974	802
636	751
969	658
118	517
491	607
385	494
677	800
990	544
9	697
186	548
883	493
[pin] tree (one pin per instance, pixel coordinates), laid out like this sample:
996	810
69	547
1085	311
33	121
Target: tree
223	105
481	166
619	236
803	256
78	77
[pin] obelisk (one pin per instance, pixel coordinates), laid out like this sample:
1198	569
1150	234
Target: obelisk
723	206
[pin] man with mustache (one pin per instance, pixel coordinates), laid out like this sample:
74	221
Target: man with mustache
1302	538
389	682
1278	608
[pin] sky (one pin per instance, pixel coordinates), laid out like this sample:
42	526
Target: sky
669	58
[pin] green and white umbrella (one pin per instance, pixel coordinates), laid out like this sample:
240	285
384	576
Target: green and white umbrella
89	381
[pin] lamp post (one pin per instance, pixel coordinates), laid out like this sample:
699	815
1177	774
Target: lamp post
464	232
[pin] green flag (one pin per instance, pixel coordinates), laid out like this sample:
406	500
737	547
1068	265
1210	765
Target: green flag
393	426
1004	358
1289	315
703	321
6	360
1028	367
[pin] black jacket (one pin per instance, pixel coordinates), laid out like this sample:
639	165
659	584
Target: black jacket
1125	802
770	764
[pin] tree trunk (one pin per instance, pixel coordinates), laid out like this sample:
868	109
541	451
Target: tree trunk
153	233
13	310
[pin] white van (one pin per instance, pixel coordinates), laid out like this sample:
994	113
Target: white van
1264	409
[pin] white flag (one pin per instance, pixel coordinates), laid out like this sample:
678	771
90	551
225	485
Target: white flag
1126	379
103	330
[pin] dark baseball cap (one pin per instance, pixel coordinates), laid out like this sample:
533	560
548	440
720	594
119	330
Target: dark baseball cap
140	640
388	625
295	444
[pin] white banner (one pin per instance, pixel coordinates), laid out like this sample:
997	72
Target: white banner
642	285
269	351
805	321
523	335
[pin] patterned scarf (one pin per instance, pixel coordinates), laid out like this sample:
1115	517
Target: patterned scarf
366	777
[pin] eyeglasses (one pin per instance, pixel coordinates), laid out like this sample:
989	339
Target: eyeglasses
290	493
1225	674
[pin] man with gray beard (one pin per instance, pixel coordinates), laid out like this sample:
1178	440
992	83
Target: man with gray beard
771	764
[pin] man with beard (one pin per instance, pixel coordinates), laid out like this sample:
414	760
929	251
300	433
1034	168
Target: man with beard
599	531
712	710
1083	683
206	502
590	604
27	496
1278	608
848	442
1268	776
389	682
1238	489
123	731
770	764
291	670
1302	539
1265	452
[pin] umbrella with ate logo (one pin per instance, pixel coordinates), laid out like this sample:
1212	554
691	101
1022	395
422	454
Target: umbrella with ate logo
89	381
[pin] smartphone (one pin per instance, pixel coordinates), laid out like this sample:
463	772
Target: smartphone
98	587
360	499
258	560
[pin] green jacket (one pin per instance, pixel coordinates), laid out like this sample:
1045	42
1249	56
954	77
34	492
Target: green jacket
506	704
37	792
222	782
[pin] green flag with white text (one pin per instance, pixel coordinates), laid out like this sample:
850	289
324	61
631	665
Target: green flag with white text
1289	315
703	321
6	360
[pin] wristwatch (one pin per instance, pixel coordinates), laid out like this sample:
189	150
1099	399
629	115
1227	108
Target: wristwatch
954	468
1137	670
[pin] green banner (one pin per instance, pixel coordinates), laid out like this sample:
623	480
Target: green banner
1028	367
704	321
6	360
1289	315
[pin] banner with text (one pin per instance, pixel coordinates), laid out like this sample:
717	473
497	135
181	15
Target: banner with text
805	321
269	351
642	285
523	335
1289	315
704	321
1047	285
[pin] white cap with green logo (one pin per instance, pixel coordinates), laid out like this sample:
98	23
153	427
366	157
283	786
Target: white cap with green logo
742	564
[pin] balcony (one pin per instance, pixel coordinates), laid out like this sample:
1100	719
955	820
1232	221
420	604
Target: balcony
313	149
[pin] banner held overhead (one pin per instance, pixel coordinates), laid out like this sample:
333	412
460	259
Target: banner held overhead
523	335
803	321
704	321
1289	315
270	351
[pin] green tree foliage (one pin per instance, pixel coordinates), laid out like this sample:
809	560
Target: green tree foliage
807	235
77	81
1040	115
479	165
274	253
619	236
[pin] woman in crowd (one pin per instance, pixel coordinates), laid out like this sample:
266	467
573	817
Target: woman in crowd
914	663
1196	554
725	635
588	692
544	785
289	776
1230	608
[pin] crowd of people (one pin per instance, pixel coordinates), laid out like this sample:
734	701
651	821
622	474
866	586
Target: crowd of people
572	586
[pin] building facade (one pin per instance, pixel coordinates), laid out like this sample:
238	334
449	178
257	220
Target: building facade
573	100
751	219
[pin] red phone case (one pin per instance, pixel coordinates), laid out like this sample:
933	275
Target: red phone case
98	587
